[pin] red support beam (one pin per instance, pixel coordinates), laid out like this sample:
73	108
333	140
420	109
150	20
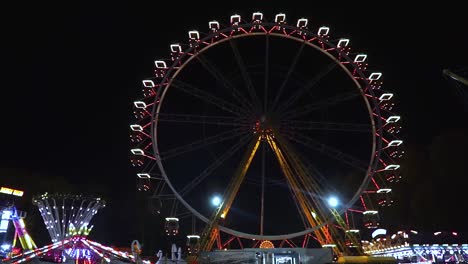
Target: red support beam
229	241
256	244
282	244
290	243
240	243
304	241
218	240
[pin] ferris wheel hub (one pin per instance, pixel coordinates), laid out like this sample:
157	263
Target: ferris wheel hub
265	125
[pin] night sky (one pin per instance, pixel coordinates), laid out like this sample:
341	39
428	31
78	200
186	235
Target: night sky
73	71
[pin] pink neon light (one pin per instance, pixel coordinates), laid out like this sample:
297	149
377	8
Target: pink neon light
363	203
383	162
142	132
147	146
356	211
347	220
375	183
150	157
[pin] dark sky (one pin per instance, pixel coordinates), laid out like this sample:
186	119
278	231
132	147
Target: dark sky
72	72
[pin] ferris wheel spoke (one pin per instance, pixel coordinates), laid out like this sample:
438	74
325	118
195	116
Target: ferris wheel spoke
311	171
266	73
325	149
213	166
245	75
209	98
314	173
321	180
334	100
199	119
306	88
184	215
220	77
310	183
298	207
288	75
202	143
327	126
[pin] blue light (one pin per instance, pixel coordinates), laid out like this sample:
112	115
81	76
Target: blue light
6	216
333	201
5	247
216	201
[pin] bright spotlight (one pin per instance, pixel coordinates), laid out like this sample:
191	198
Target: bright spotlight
332	201
216	201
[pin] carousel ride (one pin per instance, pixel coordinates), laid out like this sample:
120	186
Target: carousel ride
67	219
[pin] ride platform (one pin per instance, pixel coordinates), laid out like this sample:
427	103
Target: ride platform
268	256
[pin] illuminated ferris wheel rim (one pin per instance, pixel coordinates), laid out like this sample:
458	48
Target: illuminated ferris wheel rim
240	35
377	141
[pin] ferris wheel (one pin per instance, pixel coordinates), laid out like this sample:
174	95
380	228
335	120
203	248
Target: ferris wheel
282	121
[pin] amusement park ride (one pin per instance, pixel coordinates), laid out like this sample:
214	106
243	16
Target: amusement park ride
9	213
311	118
67	219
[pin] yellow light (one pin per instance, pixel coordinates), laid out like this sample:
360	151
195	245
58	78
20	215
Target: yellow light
18	193
6	190
21	222
329	245
10	191
267	244
223	215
